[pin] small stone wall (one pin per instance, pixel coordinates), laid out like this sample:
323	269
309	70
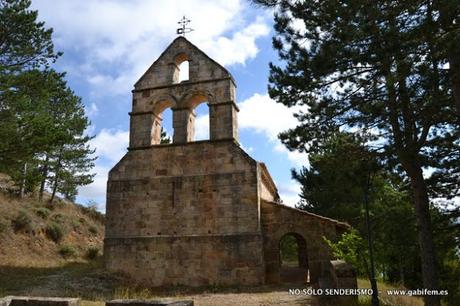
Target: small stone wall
343	275
38	301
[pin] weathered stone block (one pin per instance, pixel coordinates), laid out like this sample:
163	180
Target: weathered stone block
40	301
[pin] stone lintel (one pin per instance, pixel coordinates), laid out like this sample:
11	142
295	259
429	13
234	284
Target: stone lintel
184	144
145	113
184	83
225	103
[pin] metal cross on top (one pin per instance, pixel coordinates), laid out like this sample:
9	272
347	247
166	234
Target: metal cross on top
184	29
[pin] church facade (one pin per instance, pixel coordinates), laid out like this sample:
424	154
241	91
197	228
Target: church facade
200	213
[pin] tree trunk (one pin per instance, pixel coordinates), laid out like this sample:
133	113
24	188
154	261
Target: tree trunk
447	16
401	271
22	189
55	183
44	177
455	71
56	176
427	248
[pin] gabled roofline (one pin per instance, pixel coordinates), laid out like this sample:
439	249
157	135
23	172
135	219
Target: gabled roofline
193	46
268	178
284	206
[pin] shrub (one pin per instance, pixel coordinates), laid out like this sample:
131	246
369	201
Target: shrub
67	251
92	252
58	218
55	232
93	229
91	211
21	221
3	226
42	212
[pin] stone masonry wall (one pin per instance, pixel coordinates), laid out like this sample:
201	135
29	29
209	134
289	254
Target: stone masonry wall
185	214
278	220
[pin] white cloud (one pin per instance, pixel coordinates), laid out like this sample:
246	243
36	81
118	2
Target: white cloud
297	158
289	193
111	145
239	48
118	40
202	127
264	115
96	191
91	110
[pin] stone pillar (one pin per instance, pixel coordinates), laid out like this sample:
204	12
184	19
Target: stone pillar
156	130
223	121
184	125
191	126
142	129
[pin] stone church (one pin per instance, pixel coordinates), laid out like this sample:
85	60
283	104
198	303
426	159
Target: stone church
200	213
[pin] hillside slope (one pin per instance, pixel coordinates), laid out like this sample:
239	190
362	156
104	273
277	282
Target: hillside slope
45	235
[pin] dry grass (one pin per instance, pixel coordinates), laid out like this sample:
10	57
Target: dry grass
32	240
89	281
389	299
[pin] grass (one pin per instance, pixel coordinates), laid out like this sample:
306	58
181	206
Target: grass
385	298
88	281
55	231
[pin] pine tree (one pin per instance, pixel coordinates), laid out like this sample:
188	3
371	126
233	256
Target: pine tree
164	138
68	158
26	50
379	66
42	122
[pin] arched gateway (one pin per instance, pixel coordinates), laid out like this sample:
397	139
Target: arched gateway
199	212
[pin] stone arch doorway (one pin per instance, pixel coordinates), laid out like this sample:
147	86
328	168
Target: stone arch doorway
293	259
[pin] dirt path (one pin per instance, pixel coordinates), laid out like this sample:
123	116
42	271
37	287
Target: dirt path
277	297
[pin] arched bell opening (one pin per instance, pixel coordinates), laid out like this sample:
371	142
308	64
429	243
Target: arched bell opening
162	128
181	68
191	121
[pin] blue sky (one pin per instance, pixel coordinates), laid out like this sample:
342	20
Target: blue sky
108	45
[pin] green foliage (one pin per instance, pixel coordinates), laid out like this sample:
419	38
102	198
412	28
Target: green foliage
26	44
164	139
289	249
42	121
352	248
58	218
67	251
92	253
3	225
93	229
22	221
335	182
42	212
55	232
91	211
334	186
388	68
